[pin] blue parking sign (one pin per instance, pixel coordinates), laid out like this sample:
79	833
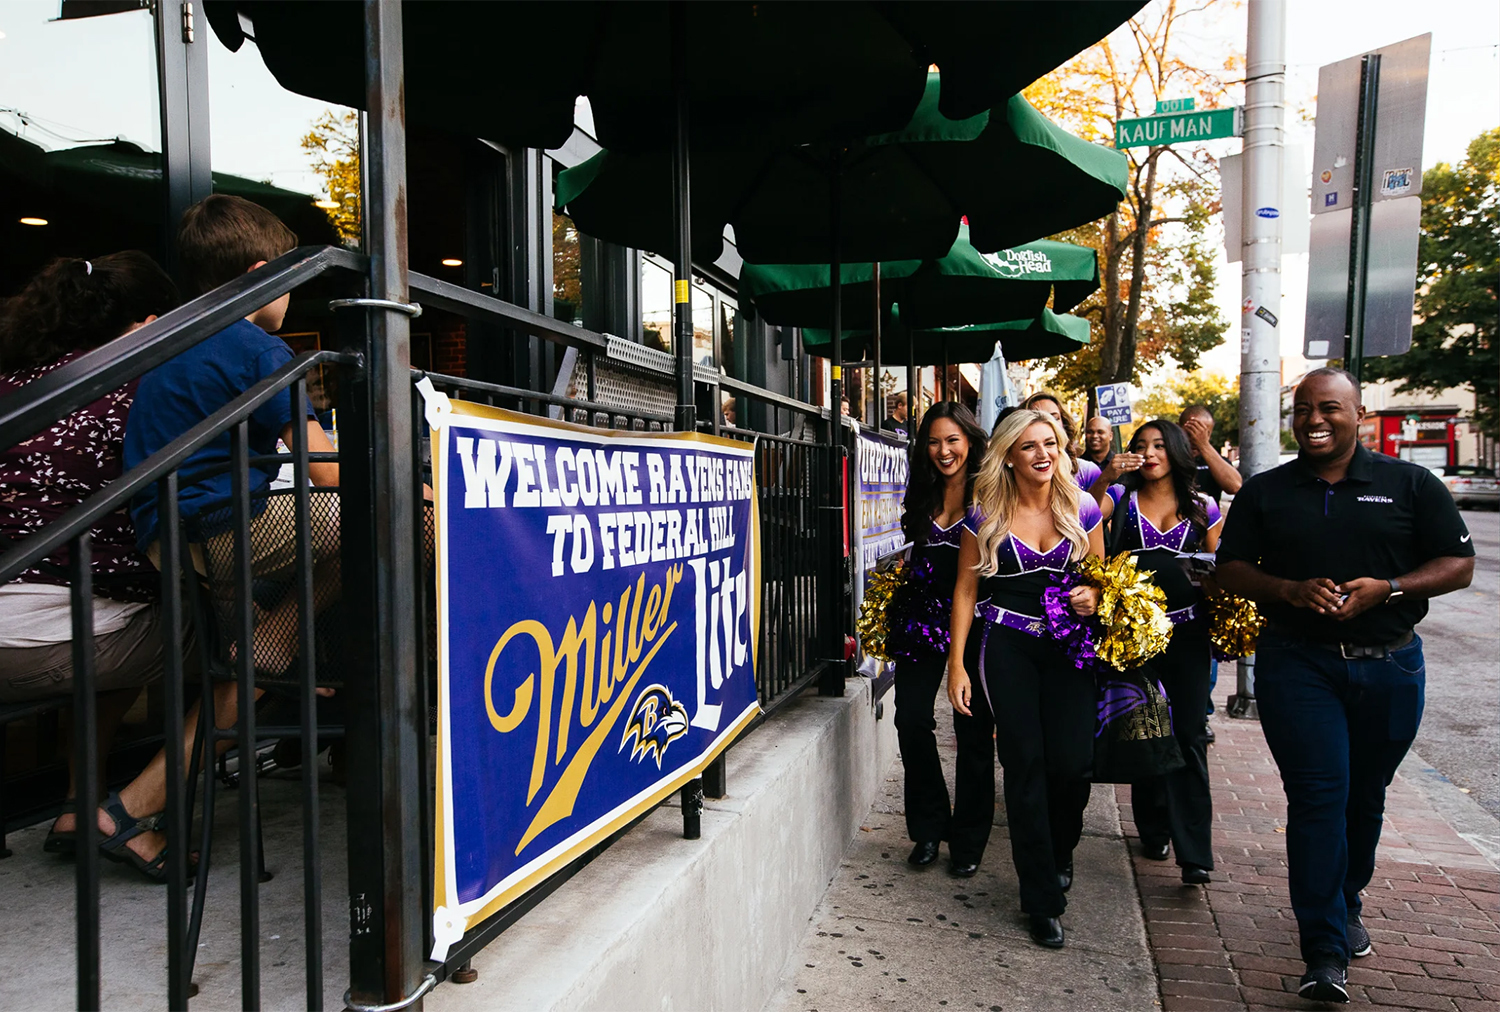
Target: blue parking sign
1114	402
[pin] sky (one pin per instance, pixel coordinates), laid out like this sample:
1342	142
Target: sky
1463	99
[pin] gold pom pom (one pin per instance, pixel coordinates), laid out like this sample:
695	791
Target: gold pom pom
874	625
1132	610
1234	624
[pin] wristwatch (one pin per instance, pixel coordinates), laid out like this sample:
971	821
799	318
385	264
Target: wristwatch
1396	591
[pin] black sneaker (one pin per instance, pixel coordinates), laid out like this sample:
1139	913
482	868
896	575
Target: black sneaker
1324	981
1359	938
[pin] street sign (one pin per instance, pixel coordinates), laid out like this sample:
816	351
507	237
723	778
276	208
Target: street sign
1174	105
1292	212
1366	203
1207	125
1114	402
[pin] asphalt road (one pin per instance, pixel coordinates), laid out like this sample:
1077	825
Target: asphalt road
1460	733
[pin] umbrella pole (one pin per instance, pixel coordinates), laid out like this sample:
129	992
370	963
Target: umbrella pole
913	394
682	259
832	683
879	400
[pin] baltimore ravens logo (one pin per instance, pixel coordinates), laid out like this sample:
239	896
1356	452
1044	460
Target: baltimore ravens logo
656	720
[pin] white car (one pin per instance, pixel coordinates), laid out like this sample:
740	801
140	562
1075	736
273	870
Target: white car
1471	485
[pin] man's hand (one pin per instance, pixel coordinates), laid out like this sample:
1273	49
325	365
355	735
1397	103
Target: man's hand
1199	431
1320	595
1121	463
1364	594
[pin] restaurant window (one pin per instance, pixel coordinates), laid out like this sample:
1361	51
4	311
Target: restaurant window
656	304
703	325
80	137
567	270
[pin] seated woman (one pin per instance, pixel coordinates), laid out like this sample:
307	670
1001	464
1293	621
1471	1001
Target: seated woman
70	307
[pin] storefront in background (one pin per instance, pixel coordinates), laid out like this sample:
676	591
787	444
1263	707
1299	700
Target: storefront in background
1425	435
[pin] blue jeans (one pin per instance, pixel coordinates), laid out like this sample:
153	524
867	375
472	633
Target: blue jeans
1213	682
1337	729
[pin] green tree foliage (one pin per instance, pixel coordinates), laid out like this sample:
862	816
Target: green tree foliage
567	285
1219	394
1458	268
1156	302
333	145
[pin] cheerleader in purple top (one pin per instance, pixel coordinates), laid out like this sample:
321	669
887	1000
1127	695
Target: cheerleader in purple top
1085	472
1029	521
946	454
1162	517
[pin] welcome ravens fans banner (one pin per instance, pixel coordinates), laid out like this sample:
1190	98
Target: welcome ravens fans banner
598	610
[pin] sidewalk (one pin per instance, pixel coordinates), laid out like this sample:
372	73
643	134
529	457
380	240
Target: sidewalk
890	936
1433	908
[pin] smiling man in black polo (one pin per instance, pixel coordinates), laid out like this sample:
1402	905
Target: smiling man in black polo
1341	548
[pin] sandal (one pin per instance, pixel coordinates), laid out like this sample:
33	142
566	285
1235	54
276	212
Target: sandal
127	828
62	841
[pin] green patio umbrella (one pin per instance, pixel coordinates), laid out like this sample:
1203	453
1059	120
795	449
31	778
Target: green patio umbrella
1041	336
956	289
1015	175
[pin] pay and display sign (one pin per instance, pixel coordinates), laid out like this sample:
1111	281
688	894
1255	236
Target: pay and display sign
1114	402
598	619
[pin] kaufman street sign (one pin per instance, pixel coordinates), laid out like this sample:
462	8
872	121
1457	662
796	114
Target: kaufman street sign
1154	131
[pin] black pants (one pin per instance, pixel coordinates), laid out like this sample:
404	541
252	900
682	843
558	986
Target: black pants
1044	735
1179	807
967	828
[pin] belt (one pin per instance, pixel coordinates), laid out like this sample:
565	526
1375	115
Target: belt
1029	624
1182	615
1356	651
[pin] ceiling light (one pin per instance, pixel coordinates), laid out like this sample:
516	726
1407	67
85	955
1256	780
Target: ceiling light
327	205
453	262
33	221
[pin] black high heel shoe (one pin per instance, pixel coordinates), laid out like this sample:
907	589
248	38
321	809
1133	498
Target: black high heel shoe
923	854
1065	877
1047	932
1194	875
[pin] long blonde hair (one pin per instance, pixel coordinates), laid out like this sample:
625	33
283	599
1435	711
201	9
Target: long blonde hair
996	494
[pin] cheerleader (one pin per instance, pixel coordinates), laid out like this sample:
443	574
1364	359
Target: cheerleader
947	451
1162	517
1029	521
1085	471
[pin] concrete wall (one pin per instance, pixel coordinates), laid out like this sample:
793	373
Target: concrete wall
659	922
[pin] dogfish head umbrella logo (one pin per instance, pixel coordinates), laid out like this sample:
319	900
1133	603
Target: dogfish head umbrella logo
656	720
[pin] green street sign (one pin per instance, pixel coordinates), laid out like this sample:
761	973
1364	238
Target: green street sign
1174	105
1155	131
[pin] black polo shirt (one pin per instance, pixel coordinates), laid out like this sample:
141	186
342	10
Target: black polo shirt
1385	519
1108	456
1207	483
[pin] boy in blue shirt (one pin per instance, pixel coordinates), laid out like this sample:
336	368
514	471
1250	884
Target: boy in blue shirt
219	239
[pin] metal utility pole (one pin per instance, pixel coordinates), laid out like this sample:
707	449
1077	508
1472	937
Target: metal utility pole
1260	261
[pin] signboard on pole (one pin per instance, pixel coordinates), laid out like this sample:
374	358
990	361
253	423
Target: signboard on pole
1366	203
1114	402
598	615
1207	125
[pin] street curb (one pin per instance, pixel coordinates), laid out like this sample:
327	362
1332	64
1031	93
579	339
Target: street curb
1468	817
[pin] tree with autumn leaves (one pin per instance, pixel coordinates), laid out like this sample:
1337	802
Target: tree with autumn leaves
1156	303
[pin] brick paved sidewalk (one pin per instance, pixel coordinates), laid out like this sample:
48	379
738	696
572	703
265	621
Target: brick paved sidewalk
1432	910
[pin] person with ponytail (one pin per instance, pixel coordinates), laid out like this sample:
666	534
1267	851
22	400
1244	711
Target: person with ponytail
1161	517
946	455
1029	521
70	307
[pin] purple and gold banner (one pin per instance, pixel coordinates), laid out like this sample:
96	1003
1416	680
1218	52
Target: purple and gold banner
598	617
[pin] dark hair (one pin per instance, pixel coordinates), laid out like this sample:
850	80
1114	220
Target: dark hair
1330	371
1184	472
222	237
924	485
73	305
1003	415
1070	426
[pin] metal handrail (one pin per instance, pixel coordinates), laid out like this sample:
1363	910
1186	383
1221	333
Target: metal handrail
81	518
523	394
467	302
58	394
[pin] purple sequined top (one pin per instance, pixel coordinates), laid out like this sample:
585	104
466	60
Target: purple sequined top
1159	550
1023	570
1087	472
921	609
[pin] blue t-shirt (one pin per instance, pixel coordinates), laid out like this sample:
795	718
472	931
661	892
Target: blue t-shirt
178	394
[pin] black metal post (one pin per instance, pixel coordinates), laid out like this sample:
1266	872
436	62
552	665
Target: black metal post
86	767
312	865
714	785
249	790
875	351
913	394
832	683
682	255
176	829
386	869
182	67
1359	235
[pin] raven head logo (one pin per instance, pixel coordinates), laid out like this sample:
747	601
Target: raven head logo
656	720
